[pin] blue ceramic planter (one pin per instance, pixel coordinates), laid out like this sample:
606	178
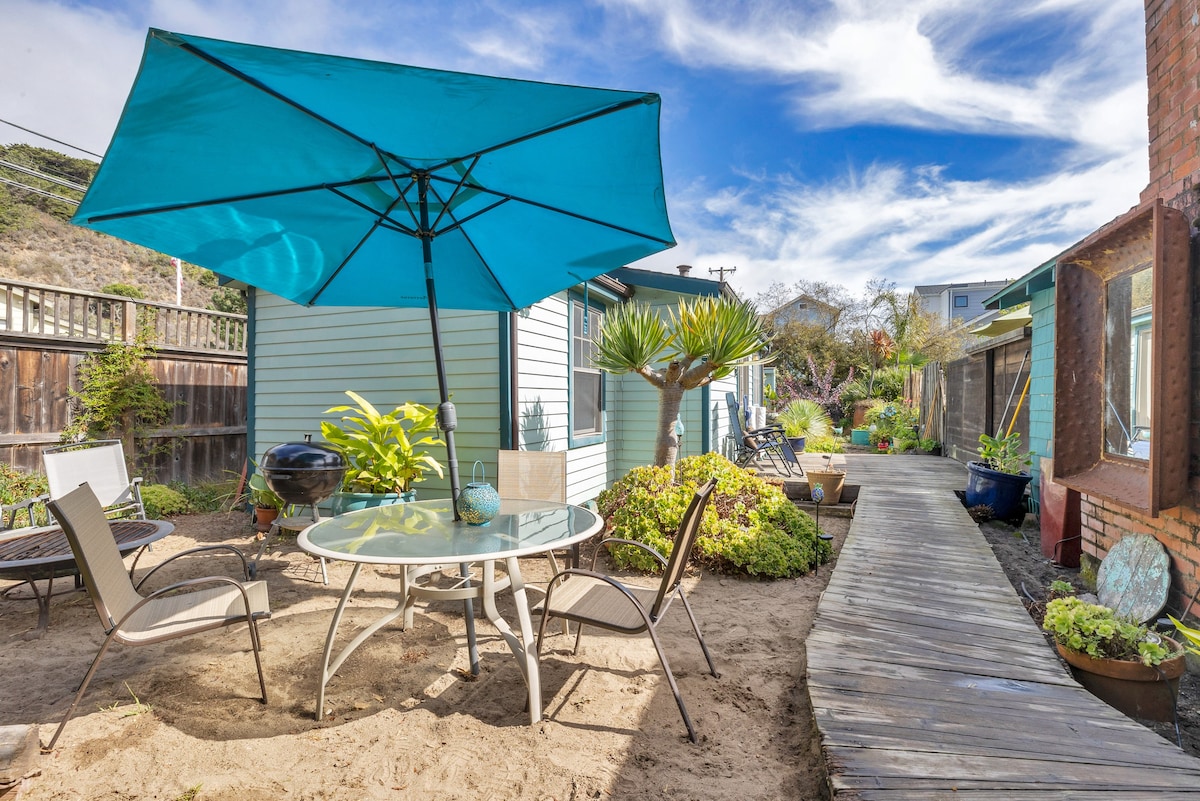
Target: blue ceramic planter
1003	492
351	501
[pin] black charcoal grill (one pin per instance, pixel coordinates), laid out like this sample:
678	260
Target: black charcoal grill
303	473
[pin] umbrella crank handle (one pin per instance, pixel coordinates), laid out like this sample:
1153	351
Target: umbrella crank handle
447	418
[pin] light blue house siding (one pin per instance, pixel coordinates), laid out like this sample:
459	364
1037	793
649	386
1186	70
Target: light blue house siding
303	360
1038	289
1041	383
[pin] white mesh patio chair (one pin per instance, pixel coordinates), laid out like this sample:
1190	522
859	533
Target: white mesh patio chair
128	617
594	599
101	463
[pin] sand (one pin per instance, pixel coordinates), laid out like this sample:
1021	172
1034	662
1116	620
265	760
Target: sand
405	718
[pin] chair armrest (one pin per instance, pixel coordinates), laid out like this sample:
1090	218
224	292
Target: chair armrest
621	541
8	511
190	552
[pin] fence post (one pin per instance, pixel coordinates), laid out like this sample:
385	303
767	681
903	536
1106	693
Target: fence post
129	321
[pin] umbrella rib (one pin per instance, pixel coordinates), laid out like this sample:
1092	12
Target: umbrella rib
196	204
504	197
645	99
257	84
380	218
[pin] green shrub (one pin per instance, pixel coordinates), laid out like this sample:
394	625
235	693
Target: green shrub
749	526
823	445
17	486
205	497
162	501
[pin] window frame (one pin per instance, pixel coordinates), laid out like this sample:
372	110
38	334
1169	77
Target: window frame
575	304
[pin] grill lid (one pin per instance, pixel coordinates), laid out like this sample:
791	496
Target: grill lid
303	472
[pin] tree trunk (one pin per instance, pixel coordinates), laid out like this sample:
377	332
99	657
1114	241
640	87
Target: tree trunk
666	449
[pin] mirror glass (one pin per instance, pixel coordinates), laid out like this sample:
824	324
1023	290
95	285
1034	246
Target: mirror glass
1127	363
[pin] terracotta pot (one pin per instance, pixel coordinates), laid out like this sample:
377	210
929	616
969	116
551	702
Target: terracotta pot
264	516
1138	690
830	482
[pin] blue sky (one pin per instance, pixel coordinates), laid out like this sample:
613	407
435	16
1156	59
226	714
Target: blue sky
919	141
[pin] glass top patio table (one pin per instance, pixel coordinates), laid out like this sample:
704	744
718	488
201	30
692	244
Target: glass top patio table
424	534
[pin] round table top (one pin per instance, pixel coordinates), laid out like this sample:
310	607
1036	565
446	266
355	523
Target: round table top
425	532
35	550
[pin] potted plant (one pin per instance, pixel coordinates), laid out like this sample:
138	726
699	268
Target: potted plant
801	419
1123	663
386	452
860	435
999	479
266	503
831	480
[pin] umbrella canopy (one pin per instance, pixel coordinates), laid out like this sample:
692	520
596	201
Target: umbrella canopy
337	181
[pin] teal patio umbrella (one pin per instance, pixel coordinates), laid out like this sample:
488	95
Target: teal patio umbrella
342	182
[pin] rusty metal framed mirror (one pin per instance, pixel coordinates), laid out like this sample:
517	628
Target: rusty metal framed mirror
1122	334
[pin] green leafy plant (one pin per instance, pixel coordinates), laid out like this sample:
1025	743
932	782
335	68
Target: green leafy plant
384	451
927	444
118	395
262	496
804	418
162	501
1190	635
1003	454
749	526
892	420
1096	630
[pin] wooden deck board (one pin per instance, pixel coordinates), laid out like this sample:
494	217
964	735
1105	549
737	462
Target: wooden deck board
929	680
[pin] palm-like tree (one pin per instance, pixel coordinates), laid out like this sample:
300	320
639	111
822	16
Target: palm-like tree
705	341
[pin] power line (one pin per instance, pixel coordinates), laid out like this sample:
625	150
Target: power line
35	174
51	138
37	191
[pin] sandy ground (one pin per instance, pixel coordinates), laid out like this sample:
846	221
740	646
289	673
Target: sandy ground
406	721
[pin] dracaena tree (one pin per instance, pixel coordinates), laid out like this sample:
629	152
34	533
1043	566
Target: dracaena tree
704	341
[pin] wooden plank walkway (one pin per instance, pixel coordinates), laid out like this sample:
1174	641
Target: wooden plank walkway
929	680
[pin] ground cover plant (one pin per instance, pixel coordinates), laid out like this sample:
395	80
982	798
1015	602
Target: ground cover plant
750	526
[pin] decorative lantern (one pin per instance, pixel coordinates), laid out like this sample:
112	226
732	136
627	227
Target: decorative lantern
478	502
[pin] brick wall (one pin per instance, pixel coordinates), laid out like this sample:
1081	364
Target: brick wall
1172	58
1173	80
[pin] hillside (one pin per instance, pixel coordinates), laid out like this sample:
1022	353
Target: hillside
39	245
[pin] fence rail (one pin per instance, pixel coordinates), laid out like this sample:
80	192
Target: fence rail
46	312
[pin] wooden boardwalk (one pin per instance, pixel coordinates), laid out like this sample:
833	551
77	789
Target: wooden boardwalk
929	680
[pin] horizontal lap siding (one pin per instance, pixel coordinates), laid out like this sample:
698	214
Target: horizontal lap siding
305	358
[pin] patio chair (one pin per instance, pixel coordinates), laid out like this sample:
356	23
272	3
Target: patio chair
534	476
130	618
101	463
594	599
10	513
753	444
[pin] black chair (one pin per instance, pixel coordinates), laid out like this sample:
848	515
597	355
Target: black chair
753	444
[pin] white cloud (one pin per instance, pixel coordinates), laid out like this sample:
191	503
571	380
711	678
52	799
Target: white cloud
911	227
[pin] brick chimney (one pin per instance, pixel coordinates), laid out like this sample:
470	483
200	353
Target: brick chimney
1173	80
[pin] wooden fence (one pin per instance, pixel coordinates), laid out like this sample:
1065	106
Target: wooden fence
200	367
53	313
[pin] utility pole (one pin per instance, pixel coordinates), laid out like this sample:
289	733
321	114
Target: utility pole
721	271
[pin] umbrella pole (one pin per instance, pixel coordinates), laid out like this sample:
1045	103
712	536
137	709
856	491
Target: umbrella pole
447	419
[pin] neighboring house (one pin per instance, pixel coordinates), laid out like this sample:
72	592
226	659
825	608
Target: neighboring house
805	309
1099	367
958	302
519	380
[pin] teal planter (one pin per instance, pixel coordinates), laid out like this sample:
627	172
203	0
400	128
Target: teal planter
343	502
860	436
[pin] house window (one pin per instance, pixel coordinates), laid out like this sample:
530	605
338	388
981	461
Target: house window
587	380
960	301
